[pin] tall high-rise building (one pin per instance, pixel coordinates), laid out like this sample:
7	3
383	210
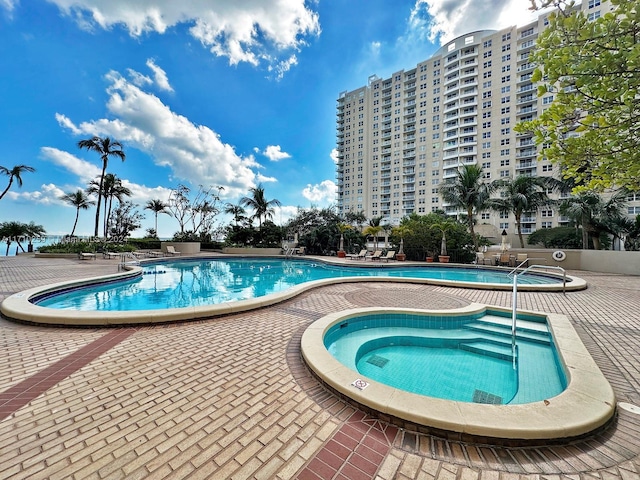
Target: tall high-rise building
400	138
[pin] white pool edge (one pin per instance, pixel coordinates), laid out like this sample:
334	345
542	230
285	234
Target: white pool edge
18	307
587	403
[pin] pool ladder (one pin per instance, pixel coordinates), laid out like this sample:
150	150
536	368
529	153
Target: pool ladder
514	315
123	260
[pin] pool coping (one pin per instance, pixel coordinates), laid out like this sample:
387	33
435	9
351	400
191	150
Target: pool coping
587	404
17	307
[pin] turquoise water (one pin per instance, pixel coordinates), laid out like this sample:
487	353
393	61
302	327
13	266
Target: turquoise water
468	359
195	282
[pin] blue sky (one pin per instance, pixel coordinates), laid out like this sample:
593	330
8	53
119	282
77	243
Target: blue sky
212	92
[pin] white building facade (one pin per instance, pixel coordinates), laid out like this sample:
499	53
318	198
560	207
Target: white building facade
400	138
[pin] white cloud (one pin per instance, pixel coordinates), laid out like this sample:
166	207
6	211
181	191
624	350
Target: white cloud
264	179
138	78
252	31
49	194
9	5
334	155
64	121
274	153
285	213
85	171
195	153
324	193
284	66
160	76
448	19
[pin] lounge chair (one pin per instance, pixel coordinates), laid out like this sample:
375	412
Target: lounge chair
504	259
153	253
172	251
110	255
522	259
86	256
482	259
139	254
376	255
389	256
358	256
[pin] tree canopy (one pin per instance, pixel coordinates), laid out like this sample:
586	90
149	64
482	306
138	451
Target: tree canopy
592	69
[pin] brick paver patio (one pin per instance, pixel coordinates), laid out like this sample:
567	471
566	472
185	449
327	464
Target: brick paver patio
230	398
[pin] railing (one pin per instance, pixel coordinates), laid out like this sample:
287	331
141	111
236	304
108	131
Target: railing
132	259
514	302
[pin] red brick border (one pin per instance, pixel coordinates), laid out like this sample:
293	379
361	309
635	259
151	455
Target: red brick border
355	452
19	395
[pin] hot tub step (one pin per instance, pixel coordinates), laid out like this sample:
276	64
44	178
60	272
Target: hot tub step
499	350
505	331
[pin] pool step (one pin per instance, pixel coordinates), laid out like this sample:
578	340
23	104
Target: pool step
501	326
526	325
496	349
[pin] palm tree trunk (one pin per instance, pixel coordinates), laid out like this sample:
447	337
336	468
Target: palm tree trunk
519	226
3	194
104	169
157	224
471	230
73	230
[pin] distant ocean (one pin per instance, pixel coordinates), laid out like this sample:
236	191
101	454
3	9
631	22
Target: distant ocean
37	242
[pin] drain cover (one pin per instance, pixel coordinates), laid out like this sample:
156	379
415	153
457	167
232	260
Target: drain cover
378	361
480	396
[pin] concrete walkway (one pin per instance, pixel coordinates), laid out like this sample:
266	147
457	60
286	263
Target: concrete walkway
230	398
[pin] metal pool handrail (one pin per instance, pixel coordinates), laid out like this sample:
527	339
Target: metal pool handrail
554	267
514	313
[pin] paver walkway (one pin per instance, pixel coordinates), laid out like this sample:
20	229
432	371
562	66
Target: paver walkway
230	398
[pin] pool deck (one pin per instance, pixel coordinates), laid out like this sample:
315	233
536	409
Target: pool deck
230	398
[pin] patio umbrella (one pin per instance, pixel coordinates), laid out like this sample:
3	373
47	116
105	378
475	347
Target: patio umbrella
504	246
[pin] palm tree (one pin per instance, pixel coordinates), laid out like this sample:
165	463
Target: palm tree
468	192
156	206
522	195
374	231
80	200
443	227
594	214
11	231
260	205
106	148
342	228
34	231
401	231
112	188
15	173
237	211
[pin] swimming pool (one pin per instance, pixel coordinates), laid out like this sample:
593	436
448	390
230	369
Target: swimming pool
187	289
467	358
582	402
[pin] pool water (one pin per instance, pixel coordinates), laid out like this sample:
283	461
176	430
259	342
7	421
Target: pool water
196	282
468	358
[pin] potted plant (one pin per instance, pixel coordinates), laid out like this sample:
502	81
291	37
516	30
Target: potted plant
443	227
342	227
401	231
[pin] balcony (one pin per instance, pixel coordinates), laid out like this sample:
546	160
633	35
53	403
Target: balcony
526	153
